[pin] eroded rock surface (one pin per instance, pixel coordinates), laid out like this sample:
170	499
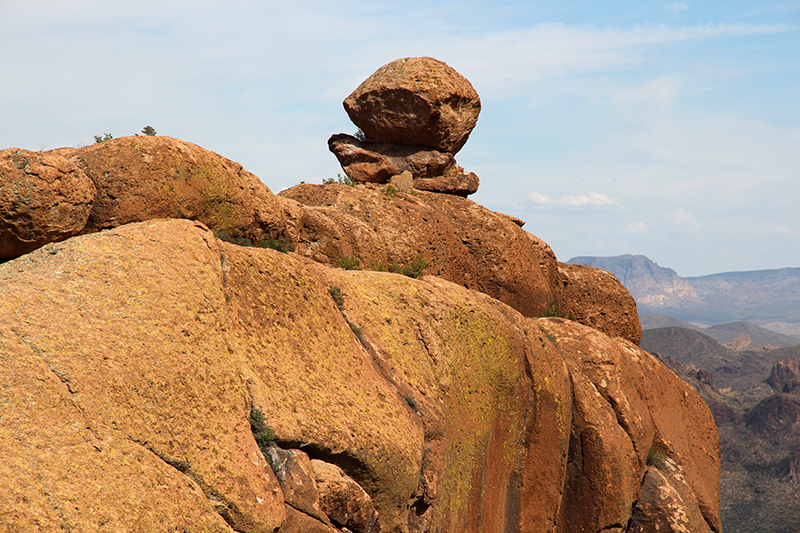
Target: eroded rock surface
43	198
137	355
464	243
143	178
430	169
416	101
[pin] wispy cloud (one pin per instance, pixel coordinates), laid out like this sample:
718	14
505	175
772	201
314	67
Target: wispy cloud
681	218
593	199
541	199
676	7
637	227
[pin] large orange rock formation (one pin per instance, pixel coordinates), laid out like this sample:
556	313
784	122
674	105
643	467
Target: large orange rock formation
134	358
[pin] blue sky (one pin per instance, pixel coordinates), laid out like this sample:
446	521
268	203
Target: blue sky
670	129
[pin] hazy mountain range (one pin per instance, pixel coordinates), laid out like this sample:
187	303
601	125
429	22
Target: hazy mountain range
768	298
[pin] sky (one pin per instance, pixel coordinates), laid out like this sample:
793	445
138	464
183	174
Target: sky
669	129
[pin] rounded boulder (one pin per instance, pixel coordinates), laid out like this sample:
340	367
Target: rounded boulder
416	100
43	198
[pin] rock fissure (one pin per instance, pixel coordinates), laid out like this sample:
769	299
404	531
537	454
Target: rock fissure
223	506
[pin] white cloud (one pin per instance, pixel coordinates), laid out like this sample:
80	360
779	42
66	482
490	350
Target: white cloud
783	231
682	218
637	227
676	7
593	198
541	199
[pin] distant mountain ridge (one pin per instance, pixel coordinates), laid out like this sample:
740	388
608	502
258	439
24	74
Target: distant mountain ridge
768	298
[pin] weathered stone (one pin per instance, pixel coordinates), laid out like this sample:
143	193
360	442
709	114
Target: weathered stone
596	298
294	472
667	503
431	170
416	101
342	499
626	403
455	181
783	371
378	162
464	243
43	198
145	177
298	522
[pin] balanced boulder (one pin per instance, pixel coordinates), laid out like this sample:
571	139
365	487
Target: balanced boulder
417	101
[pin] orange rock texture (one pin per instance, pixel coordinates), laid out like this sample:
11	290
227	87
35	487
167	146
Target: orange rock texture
134	358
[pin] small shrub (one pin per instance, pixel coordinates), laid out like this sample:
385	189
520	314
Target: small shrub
338	297
264	435
101	138
149	130
414	268
379	267
553	311
357	330
656	457
390	191
341	180
348	263
225	236
281	245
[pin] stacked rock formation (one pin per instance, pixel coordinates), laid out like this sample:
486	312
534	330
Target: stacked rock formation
415	115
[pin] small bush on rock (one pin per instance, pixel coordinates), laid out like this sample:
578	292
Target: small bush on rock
348	263
341	180
338	297
264	435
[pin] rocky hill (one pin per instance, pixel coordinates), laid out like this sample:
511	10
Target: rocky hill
754	396
734	335
768	298
185	351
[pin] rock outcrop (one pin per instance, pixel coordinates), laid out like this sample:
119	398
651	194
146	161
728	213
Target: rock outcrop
414	114
142	178
133	359
463	242
43	198
380	162
416	101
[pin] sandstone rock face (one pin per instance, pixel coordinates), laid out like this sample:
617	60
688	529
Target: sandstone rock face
143	178
624	405
596	298
344	501
417	101
132	359
783	371
43	198
464	243
667	503
430	170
